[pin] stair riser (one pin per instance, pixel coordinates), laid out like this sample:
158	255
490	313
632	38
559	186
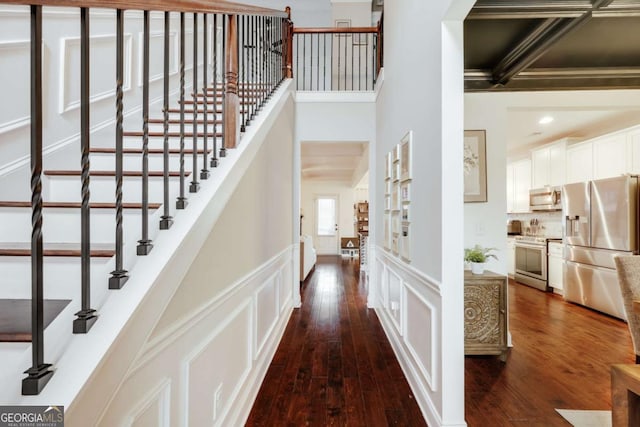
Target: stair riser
133	162
63	225
174	143
61	277
102	189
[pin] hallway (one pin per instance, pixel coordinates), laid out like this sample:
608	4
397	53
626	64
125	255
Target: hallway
334	365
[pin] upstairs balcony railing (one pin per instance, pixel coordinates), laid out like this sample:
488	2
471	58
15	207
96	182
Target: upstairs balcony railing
337	59
247	62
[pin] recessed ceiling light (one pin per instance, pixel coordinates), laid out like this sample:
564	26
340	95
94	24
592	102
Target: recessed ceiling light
545	120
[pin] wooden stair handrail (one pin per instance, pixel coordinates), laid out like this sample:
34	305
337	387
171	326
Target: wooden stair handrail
194	6
335	30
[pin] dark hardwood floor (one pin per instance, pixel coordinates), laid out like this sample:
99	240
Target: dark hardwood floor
561	359
334	365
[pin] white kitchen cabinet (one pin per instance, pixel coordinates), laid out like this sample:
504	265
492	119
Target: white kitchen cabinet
518	186
610	156
548	165
555	266
633	139
511	256
580	162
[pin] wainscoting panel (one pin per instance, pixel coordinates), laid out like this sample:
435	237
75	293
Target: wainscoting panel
211	358
153	409
15	62
156	62
102	50
412	321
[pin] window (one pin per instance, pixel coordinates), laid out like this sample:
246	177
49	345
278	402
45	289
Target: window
326	216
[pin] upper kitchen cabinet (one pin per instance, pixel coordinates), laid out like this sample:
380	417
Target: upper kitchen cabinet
548	165
611	155
518	186
633	139
580	162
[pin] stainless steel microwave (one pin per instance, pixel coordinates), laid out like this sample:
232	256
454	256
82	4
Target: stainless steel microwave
545	199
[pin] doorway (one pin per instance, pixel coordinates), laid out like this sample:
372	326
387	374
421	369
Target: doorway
326	228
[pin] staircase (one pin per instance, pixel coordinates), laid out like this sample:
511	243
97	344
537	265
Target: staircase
96	218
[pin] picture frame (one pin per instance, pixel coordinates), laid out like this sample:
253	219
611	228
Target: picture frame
396	172
405	192
475	166
404	244
395	198
387	231
387	202
396	153
388	163
387	187
404	214
405	156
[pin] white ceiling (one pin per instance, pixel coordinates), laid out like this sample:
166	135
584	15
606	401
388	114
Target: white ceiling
524	130
333	161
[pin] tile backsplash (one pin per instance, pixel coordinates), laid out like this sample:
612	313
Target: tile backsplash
549	223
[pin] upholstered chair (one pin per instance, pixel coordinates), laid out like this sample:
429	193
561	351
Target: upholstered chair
629	279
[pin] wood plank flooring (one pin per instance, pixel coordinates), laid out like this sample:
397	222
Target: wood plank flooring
334	365
561	358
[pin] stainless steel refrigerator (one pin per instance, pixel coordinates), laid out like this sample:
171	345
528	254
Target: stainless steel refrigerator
601	222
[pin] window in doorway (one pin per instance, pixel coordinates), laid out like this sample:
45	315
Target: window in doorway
326	216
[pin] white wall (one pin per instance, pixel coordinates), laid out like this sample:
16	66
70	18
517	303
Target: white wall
61	89
485	223
304	13
358	12
346	198
421	304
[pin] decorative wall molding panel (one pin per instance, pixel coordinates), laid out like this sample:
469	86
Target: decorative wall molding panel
156	62
408	304
153	408
214	360
102	83
15	61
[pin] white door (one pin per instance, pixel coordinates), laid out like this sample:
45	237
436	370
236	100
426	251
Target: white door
326	225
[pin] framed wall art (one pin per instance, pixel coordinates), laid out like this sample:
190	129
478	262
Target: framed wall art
475	166
405	156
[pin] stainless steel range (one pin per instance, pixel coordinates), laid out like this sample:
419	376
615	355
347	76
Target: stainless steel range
531	261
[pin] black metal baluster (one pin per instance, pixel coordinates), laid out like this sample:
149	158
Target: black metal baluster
86	317
345	61
318	74
339	50
204	173
304	62
195	186
39	374
254	66
144	245
223	55
119	276
360	57
366	70
331	68
214	156
353	36
263	78
166	221
311	66
324	66
297	36
181	202
243	105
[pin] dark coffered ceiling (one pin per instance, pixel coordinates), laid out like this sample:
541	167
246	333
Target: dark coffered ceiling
513	45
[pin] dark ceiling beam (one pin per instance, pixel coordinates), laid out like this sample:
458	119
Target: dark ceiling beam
537	43
540	9
558	79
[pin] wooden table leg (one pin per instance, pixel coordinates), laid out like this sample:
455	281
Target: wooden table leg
625	395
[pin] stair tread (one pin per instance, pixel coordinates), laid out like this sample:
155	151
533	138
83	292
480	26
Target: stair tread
177	121
56	250
171	134
15	317
190	111
112	173
108	150
92	205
